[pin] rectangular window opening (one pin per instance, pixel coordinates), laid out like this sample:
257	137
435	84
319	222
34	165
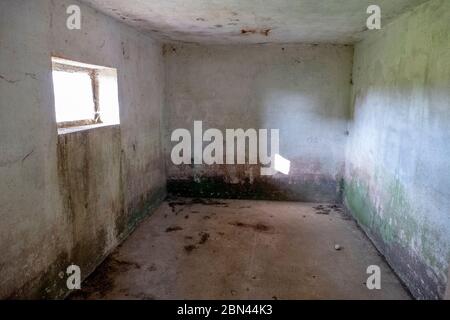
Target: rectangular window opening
85	95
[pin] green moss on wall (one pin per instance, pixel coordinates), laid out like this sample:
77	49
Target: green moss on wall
387	212
358	201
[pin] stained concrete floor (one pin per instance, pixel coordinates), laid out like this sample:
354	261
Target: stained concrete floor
235	249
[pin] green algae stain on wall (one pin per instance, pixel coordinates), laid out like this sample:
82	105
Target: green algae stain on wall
384	220
399	213
392	221
409	227
395	220
357	200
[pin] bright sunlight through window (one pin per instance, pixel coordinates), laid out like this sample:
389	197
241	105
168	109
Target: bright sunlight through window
84	94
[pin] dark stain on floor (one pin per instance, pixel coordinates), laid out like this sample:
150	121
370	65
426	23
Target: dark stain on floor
186	202
260	227
332	208
320	209
189	248
204	236
173	229
102	280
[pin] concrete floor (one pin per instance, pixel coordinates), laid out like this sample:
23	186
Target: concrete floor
233	249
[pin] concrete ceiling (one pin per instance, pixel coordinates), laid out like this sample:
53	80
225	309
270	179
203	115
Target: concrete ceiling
251	21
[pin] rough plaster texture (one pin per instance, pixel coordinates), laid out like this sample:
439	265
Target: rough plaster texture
250	21
70	199
303	90
398	169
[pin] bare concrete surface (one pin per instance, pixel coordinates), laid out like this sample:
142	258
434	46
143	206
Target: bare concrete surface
238	21
236	249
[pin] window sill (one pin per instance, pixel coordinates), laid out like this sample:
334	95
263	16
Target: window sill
63	131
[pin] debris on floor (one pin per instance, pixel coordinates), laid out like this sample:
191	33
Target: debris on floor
204	236
241	254
257	227
172	229
189	248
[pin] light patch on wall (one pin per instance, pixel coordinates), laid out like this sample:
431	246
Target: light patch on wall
84	94
281	164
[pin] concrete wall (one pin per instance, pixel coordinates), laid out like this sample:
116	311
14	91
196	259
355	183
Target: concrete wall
398	169
447	292
303	90
72	198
